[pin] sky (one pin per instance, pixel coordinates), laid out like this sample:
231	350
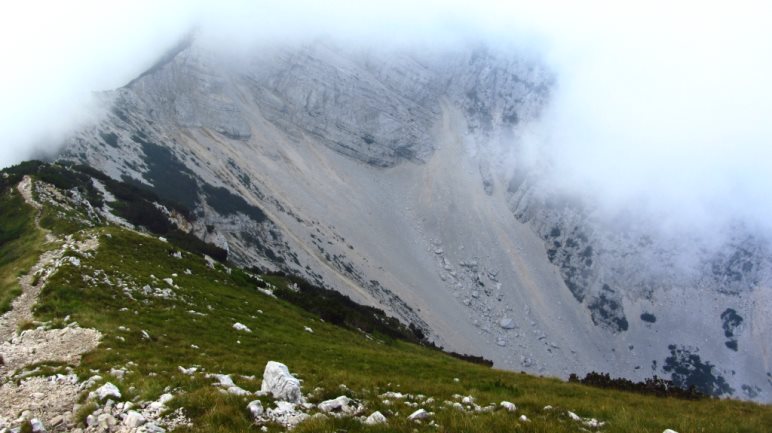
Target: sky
659	106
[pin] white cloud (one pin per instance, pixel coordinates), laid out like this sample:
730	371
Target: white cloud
663	105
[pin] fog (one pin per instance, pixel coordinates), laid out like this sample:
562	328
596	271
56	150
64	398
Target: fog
659	106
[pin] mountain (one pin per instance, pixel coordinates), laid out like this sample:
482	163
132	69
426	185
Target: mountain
115	328
395	177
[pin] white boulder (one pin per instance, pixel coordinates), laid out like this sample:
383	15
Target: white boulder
187	371
108	390
509	406
134	419
669	431
241	327
342	405
375	418
280	383
420	414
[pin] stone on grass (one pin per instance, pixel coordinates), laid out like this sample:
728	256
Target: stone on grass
280	383
524	418
134	419
108	390
509	406
669	431
237	390
420	414
255	407
342	405
241	327
187	371
375	418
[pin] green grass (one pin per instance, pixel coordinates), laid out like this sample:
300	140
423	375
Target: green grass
329	357
20	244
368	365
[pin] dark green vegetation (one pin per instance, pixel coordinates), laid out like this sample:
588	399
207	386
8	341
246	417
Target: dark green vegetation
653	386
732	324
135	204
208	300
689	370
340	310
175	182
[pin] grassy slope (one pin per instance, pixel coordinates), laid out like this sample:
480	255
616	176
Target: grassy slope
327	358
20	244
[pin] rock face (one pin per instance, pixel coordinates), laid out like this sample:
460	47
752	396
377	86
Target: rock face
395	177
280	383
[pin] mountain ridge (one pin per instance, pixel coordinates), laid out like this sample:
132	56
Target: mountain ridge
382	175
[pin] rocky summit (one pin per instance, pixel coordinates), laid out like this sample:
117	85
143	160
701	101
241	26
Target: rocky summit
396	177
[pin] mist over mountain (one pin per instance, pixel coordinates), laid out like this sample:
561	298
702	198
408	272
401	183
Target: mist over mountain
558	193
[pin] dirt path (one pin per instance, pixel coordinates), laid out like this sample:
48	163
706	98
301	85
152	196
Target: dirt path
49	399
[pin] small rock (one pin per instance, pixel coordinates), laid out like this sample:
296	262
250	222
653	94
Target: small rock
375	418
507	323
342	404
509	406
255	407
187	371
37	426
669	431
420	414
165	398
241	327
573	416
467	400
524	418
108	390
134	419
547	407
105	421
307	329
237	390
55	421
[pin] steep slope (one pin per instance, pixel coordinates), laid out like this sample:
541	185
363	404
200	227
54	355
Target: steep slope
387	176
183	342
